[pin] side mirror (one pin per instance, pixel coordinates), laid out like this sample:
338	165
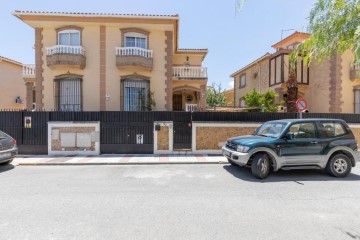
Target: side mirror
289	136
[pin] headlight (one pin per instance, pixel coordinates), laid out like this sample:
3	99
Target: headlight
242	149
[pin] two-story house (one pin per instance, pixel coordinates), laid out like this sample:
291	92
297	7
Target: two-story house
330	86
114	62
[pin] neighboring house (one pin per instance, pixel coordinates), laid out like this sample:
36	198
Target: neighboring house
114	62
13	91
330	86
229	95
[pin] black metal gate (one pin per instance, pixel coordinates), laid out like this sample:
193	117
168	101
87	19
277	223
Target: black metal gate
127	132
182	131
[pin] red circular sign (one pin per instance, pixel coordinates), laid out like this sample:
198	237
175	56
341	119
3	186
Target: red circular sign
301	105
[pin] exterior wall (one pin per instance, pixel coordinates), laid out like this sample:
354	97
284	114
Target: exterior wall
111	74
157	75
260	82
12	86
209	137
81	138
91	73
346	84
180	59
229	94
163	138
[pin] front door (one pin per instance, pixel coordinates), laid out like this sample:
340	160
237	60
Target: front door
305	148
177	102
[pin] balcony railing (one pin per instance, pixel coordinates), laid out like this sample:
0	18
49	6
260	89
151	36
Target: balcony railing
134	51
28	70
355	72
190	72
134	57
62	55
190	107
64	49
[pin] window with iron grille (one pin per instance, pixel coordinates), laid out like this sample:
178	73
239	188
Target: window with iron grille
135	95
68	94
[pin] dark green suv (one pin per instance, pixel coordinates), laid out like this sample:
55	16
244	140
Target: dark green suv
295	144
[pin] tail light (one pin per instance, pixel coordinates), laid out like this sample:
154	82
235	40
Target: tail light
14	141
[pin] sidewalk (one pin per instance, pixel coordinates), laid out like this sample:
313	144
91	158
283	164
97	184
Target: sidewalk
119	159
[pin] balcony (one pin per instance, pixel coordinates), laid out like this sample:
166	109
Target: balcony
66	56
355	72
191	107
28	71
190	73
134	57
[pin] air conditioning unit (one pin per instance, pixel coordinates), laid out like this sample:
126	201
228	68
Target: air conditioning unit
18	100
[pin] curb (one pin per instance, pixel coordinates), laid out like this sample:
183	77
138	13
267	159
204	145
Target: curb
114	164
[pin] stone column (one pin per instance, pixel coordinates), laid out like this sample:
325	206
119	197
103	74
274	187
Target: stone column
168	70
29	95
39	69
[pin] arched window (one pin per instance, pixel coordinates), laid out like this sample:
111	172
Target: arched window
69	37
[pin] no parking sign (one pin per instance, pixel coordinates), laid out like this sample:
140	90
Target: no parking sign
301	105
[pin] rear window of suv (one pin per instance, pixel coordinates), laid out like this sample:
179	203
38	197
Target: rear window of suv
331	129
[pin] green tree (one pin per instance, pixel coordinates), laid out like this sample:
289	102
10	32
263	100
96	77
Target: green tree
266	100
215	96
335	27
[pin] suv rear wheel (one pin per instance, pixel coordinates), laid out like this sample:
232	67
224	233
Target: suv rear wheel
260	166
339	166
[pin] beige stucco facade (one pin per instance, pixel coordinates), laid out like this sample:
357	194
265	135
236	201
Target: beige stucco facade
12	85
103	73
328	87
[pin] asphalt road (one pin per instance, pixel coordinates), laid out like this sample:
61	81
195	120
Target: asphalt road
175	202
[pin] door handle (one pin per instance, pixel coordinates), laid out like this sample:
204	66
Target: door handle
314	142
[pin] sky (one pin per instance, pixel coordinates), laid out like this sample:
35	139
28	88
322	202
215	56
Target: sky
233	39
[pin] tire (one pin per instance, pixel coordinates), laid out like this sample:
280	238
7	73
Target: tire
260	166
339	166
6	163
231	162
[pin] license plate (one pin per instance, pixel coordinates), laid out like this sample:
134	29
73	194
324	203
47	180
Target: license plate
4	155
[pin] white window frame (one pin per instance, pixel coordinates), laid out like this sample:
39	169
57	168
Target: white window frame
136	36
69	31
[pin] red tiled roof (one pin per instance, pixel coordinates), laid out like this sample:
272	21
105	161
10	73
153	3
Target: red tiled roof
302	34
90	14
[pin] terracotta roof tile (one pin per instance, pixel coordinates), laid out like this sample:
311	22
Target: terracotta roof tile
304	34
90	14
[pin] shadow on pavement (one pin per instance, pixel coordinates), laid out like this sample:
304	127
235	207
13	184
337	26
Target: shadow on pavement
5	168
298	176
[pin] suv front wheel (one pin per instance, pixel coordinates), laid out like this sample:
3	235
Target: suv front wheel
339	166
260	166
